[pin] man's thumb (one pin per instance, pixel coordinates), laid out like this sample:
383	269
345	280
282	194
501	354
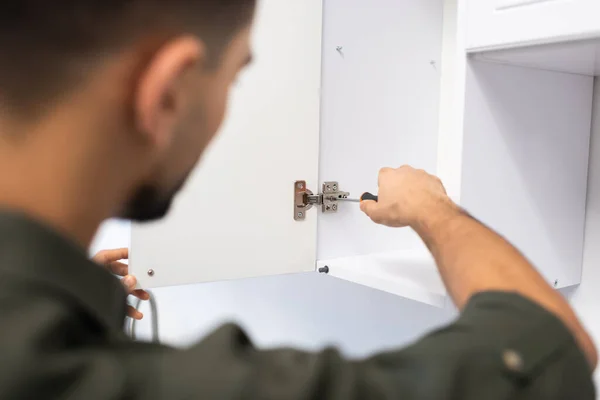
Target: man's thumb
373	210
369	207
129	282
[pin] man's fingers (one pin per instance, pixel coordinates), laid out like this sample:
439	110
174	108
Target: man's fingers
118	268
109	256
141	294
133	313
129	282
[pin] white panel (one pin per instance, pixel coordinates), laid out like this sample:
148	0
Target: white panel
380	107
507	23
452	98
525	160
234	218
577	57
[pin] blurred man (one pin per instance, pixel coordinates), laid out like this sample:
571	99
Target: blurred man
105	107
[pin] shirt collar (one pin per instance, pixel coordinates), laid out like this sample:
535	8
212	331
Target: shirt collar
35	252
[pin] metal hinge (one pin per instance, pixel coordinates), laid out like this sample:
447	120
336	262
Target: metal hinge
305	199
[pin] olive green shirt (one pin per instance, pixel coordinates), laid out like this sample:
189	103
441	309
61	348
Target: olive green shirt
61	337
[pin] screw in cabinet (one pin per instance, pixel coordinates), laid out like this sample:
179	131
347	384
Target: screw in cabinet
150	272
300	215
339	49
300	186
556	283
324	270
334	207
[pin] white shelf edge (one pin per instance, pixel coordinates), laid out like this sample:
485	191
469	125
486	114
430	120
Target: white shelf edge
557	39
409	274
486	57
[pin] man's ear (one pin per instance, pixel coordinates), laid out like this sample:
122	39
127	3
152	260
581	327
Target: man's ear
160	98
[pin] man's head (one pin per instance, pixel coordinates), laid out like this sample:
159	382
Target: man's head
145	83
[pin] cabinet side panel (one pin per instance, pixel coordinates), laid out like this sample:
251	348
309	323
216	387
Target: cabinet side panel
525	161
235	217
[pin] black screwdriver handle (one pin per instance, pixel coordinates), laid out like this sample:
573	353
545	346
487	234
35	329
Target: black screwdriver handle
369	196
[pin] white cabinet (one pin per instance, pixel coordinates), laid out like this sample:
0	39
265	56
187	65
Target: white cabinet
494	24
349	86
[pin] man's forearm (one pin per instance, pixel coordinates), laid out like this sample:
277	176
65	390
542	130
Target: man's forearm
472	259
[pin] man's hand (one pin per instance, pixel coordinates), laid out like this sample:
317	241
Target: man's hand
110	259
408	197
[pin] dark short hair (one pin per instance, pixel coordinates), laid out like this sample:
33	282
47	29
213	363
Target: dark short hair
48	46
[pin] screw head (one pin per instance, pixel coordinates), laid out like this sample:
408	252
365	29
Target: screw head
324	270
150	272
335	187
334	207
300	215
300	186
327	208
556	283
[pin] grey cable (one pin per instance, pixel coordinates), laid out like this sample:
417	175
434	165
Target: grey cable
154	319
132	321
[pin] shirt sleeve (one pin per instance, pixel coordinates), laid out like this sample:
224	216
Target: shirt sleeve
501	347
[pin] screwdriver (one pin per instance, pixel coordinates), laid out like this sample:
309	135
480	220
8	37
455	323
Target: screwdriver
365	196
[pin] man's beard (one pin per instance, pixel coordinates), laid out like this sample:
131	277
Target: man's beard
150	204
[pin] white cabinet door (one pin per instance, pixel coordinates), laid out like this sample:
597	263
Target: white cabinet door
235	217
494	24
